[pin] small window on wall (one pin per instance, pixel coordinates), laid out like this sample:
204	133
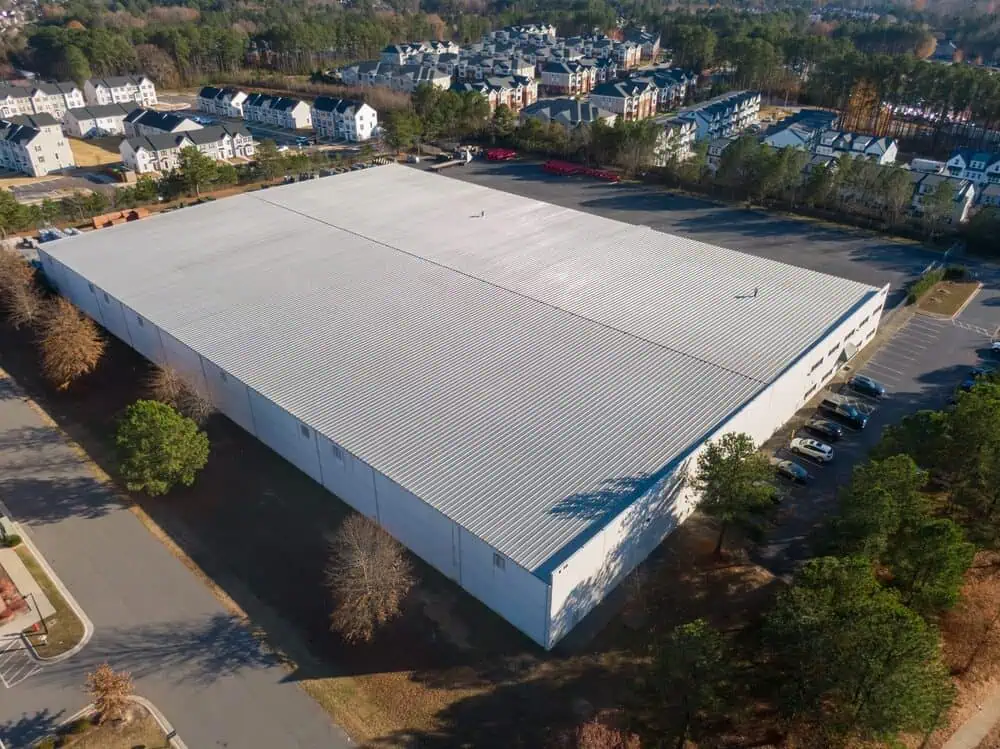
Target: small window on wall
305	430
499	562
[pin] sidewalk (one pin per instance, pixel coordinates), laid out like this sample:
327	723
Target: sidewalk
971	733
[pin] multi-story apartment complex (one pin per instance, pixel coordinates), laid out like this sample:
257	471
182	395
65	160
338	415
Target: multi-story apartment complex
570	113
34	145
344	118
150	122
121	89
835	143
979	167
416	52
39	98
510	91
672	86
96	121
225	102
648	41
405	78
567	78
283	111
675	142
160	152
725	115
631	99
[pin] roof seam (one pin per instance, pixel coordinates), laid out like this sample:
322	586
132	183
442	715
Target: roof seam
512	291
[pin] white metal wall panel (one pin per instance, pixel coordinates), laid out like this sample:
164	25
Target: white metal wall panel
287	436
349	478
186	363
229	395
418	526
504	586
112	315
145	337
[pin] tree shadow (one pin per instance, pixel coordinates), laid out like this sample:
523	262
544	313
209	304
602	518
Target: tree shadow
28	728
38	501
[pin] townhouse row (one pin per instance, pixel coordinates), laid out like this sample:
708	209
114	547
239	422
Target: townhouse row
160	151
59	97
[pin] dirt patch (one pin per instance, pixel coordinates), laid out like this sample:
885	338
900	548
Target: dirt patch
61	631
449	672
8	180
946	298
139	729
95	151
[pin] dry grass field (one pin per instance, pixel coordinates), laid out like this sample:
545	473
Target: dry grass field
96	151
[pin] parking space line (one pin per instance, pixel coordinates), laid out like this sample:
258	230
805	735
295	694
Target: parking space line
894	355
886	368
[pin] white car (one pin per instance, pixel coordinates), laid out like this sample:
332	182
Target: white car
995	346
818	451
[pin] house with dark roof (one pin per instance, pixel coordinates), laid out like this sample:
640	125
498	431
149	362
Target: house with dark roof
836	143
36	98
346	119
724	115
96	121
648	41
633	99
510	91
225	102
34	144
567	77
672	85
963	192
283	111
121	89
980	167
148	122
157	152
570	113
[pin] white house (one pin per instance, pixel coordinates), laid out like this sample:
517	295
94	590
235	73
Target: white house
34	145
725	115
223	142
343	118
159	152
980	167
835	143
39	98
964	194
121	89
292	114
225	102
148	122
96	121
675	141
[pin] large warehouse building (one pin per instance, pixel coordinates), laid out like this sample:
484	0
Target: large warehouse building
514	390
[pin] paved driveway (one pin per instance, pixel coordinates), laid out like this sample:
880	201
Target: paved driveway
151	615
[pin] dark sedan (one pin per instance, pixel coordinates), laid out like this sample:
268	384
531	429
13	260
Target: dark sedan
829	430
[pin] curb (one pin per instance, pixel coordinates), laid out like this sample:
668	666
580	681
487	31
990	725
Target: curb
957	312
171	733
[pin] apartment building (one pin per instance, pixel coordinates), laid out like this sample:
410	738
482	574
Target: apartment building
150	122
292	114
964	194
34	145
567	78
416	52
979	167
510	91
672	86
675	141
605	69
346	119
648	41
96	121
570	113
725	115
38	98
630	100
223	142
158	152
121	89
224	102
403	78
836	143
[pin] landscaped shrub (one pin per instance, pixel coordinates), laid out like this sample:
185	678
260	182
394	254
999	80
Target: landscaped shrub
79	726
49	742
956	273
924	284
11	541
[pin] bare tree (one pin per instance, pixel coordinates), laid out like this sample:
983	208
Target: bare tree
110	691
71	345
167	385
368	575
19	293
597	735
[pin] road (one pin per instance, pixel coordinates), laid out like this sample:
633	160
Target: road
152	616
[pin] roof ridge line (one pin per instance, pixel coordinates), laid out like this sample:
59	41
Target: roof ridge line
512	291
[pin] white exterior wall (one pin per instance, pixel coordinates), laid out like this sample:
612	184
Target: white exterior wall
597	567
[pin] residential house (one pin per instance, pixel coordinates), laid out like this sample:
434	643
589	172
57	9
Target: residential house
570	113
159	152
630	100
628	55
672	85
567	78
121	89
800	130
605	69
980	167
346	119
282	111
716	148
225	102
928	166
403	78
34	145
416	52
223	142
38	98
989	196
515	93
675	141
648	41
725	115
964	194
835	143
148	122
96	121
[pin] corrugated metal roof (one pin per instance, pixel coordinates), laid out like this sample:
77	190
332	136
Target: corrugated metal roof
510	362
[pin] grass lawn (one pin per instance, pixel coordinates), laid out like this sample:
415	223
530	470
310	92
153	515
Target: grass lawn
95	151
141	730
947	297
64	628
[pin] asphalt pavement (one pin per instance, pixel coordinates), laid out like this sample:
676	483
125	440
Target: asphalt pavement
152	616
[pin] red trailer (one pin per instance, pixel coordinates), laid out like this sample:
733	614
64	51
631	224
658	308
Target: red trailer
500	154
563	168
